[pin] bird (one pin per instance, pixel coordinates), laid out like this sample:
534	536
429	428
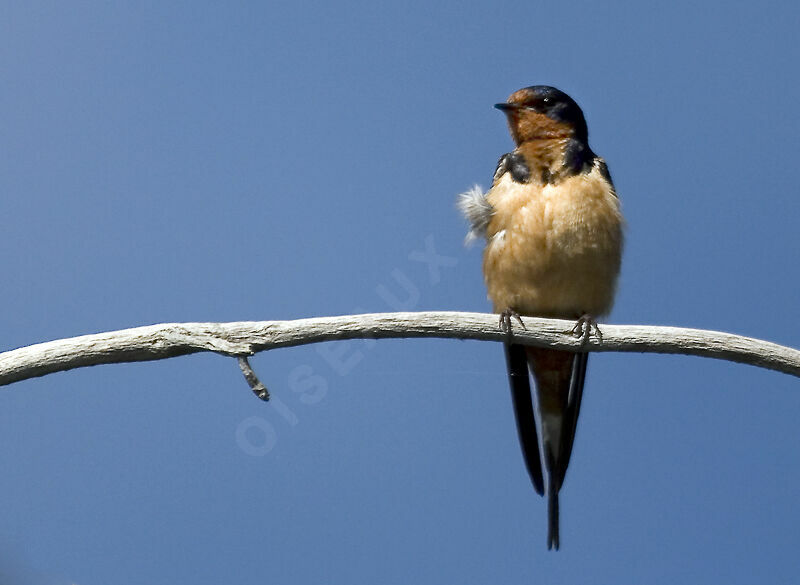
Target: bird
554	236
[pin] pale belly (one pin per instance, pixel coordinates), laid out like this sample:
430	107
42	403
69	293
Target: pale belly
553	250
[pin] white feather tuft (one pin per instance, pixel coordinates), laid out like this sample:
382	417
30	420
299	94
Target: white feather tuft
478	211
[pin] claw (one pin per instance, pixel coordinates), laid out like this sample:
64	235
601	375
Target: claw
505	320
584	326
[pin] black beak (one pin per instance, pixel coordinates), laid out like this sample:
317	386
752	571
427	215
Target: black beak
506	107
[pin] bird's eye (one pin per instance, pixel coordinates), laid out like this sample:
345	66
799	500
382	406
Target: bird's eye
546	100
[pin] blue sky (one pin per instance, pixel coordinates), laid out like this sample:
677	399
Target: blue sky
198	161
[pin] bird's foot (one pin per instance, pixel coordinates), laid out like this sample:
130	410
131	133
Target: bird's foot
584	327
505	320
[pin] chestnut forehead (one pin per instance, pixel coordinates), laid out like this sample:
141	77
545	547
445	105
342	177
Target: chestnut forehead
522	96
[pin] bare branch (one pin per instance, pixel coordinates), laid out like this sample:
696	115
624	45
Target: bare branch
255	384
241	339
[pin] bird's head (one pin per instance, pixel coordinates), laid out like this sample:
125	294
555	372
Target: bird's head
541	112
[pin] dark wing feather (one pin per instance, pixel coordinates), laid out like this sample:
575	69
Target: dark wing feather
571	413
519	379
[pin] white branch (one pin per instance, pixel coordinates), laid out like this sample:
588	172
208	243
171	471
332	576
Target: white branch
245	338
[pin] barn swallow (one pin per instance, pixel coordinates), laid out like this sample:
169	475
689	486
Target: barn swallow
553	230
